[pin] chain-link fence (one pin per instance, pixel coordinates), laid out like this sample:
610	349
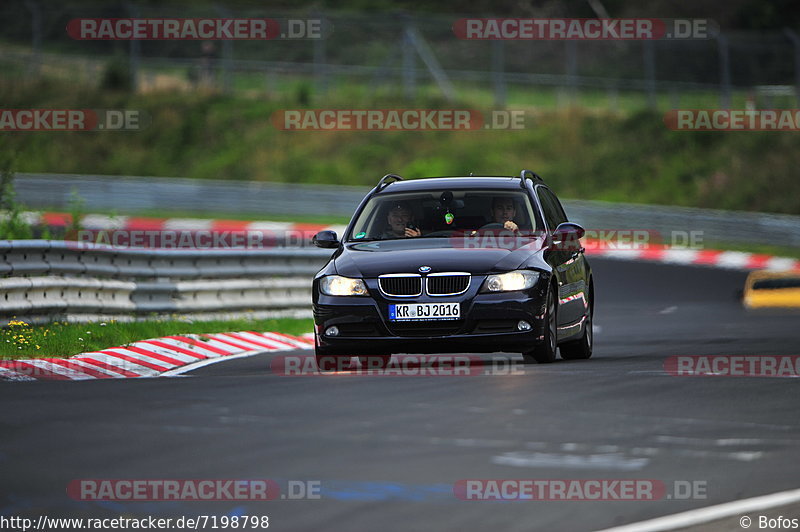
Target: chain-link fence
407	55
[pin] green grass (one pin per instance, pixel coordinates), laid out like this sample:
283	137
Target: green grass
20	340
583	152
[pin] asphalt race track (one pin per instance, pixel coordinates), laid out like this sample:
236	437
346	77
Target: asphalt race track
387	450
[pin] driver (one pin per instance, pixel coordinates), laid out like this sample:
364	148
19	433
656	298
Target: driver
503	212
401	223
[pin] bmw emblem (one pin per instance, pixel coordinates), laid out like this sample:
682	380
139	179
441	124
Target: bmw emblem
424	269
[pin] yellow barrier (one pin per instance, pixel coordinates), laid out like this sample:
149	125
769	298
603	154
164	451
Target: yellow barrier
764	289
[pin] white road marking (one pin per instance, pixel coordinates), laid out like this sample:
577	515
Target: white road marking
724	442
570	461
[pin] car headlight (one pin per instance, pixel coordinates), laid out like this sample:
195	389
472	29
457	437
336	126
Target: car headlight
336	285
506	282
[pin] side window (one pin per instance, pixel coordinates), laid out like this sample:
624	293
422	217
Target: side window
562	216
553	212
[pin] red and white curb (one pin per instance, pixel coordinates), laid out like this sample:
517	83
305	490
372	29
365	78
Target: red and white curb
652	252
734	260
154	357
102	222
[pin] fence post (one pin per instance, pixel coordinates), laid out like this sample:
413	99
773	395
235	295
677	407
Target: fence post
572	70
320	62
429	59
613	97
796	45
498	73
649	52
135	50
674	98
724	71
227	53
36	30
409	76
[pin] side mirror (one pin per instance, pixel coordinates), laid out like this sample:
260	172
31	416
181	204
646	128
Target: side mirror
568	234
325	239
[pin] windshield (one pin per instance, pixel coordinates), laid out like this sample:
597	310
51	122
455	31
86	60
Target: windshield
443	213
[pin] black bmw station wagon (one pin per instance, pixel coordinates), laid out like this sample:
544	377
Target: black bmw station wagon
454	264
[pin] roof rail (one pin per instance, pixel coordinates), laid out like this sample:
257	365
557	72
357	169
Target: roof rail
528	174
384	182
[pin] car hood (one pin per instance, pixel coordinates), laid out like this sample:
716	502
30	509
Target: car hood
370	259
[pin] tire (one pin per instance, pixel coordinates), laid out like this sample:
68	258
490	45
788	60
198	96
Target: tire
374	361
581	349
545	351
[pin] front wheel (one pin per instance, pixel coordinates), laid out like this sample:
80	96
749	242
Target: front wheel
545	352
581	348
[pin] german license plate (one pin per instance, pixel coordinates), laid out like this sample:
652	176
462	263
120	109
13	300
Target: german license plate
424	311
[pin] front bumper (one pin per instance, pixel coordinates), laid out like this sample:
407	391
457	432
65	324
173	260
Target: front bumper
488	324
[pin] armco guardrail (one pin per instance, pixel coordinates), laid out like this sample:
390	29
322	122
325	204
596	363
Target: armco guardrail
44	278
166	195
55	295
57	257
139	194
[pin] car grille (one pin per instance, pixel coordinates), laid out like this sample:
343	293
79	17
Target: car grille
447	284
409	285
